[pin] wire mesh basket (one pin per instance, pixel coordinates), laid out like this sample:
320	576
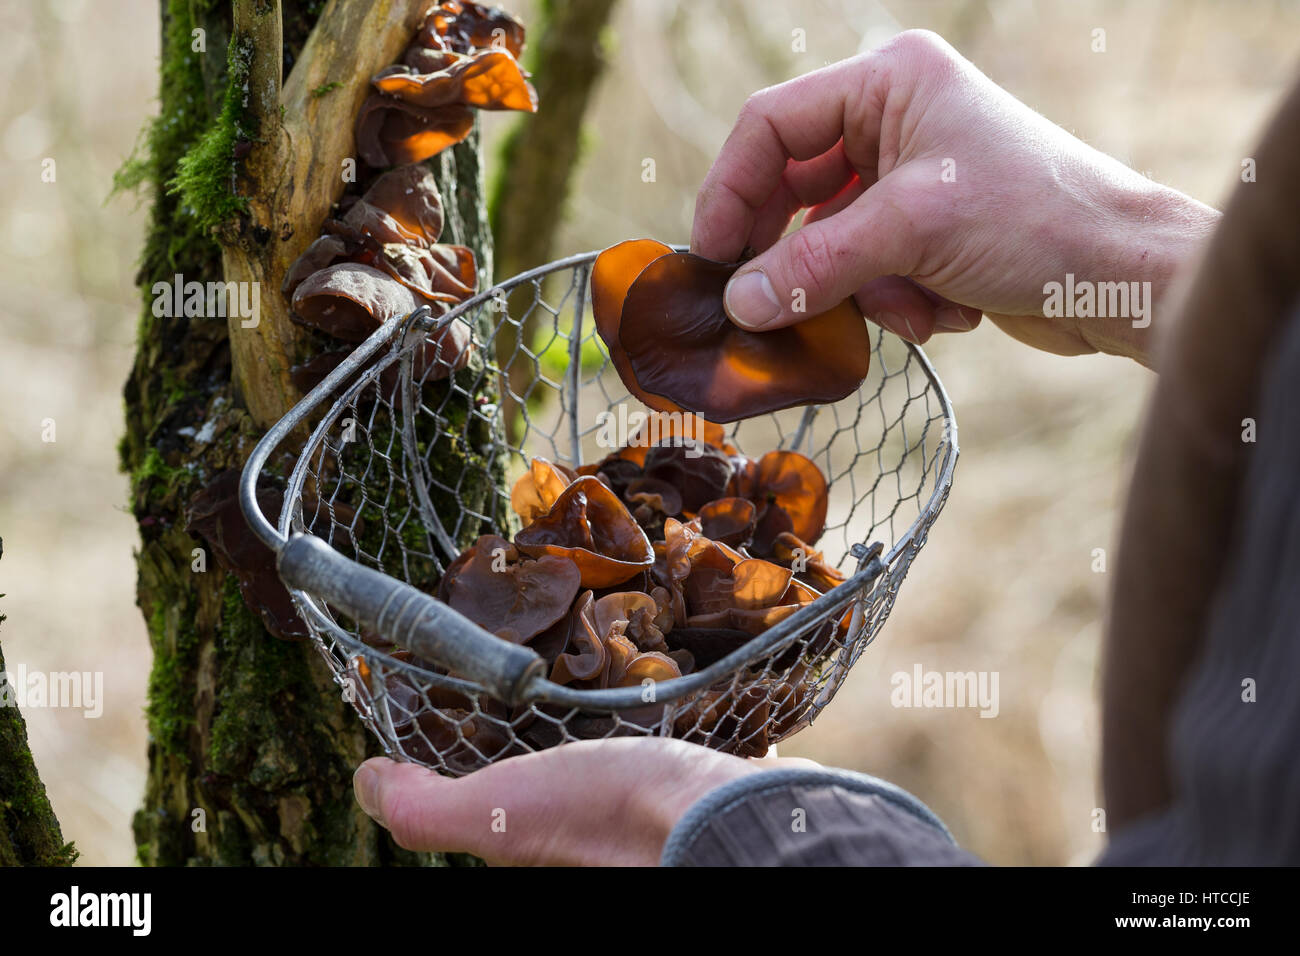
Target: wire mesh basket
403	468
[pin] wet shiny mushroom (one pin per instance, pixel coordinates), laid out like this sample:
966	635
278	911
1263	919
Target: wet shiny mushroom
490	80
392	132
681	346
513	597
729	520
589	525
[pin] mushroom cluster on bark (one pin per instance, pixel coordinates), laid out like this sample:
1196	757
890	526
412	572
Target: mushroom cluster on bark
378	254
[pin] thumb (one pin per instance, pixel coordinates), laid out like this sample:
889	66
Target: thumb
819	265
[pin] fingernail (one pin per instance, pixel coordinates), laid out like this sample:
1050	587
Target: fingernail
366	784
751	301
951	318
897	324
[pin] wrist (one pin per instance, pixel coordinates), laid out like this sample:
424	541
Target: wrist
1149	234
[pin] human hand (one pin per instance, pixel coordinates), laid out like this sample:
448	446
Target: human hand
933	196
594	802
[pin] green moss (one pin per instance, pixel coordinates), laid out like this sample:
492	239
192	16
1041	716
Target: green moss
170	710
258	677
154	478
205	175
178	240
29	830
325	88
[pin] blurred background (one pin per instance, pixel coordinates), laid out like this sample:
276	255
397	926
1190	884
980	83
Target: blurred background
1007	582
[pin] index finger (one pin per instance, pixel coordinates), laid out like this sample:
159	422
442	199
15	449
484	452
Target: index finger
799	119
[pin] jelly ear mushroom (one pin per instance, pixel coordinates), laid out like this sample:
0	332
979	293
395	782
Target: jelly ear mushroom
409	201
681	345
424	273
729	520
519	601
787	548
652	666
462	25
324	251
660	428
791	482
214	513
584	657
637	611
612	275
700	472
349	300
490	80
392	132
758	583
538	489
590	526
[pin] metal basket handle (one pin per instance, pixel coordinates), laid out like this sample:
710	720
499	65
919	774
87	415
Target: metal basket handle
414	620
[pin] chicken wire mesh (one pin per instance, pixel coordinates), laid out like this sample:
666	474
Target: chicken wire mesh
404	466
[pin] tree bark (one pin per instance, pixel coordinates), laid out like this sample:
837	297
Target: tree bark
29	830
251	747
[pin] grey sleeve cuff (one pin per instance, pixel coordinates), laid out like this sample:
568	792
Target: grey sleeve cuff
811	818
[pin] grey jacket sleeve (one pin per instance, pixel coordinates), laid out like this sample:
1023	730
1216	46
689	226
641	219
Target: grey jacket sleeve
811	818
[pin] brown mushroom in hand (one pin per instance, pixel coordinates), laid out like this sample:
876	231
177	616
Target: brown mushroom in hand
681	345
516	599
612	275
590	526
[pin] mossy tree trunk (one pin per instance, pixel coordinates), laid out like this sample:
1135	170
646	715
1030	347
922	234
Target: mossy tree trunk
29	830
251	747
